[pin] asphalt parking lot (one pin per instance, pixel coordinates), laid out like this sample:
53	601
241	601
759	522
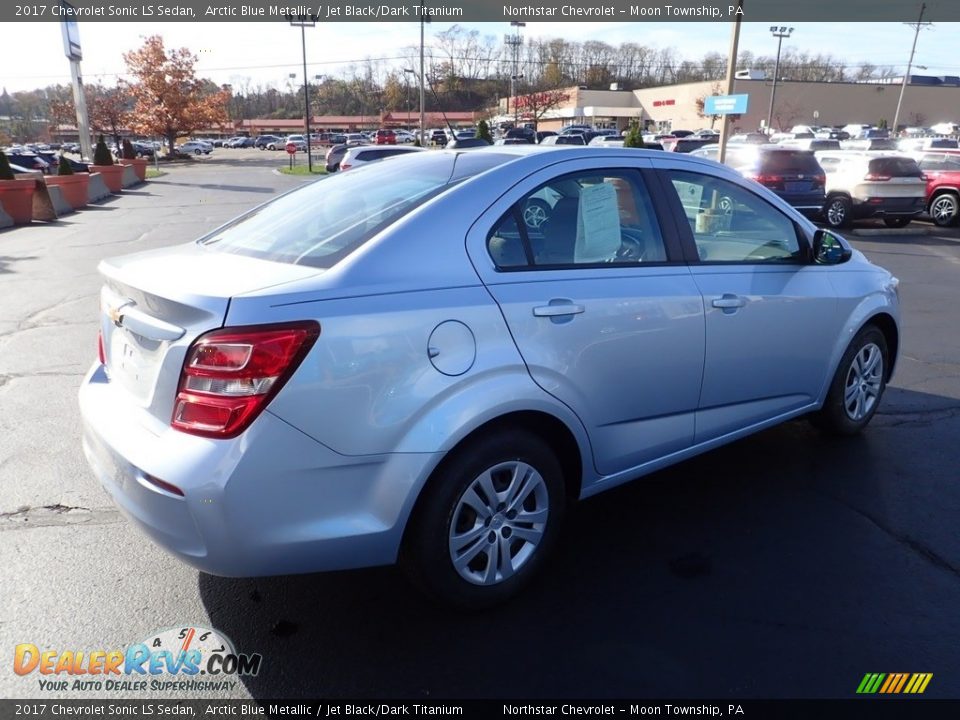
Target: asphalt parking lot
785	565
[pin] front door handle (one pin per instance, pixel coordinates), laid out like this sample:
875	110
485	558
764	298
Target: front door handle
558	310
729	302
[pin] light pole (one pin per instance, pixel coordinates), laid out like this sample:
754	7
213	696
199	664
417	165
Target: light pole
780	32
516	108
514	41
319	79
424	19
406	80
303	22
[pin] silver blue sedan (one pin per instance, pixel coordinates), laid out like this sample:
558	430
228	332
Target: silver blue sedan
427	359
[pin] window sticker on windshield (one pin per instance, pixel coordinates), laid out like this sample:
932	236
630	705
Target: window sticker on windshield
598	224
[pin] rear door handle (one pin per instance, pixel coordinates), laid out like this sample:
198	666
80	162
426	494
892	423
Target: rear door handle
729	301
558	310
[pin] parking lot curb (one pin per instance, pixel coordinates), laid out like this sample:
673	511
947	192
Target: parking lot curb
891	231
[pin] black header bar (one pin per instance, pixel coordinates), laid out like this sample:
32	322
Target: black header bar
779	11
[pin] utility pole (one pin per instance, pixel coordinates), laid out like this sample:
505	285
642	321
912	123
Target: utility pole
906	76
731	75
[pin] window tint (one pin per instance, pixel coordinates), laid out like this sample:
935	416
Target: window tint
731	224
789	162
895	167
596	218
324	221
940	162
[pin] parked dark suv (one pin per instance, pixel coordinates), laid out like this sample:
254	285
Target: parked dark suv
795	175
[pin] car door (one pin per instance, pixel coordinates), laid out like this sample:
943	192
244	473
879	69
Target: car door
603	311
771	316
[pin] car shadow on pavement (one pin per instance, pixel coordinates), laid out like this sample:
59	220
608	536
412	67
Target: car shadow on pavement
6	261
215	186
756	570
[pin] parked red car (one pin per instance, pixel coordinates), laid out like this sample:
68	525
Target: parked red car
385	137
942	171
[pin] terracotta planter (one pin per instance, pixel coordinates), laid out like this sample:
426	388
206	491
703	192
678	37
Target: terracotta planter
112	176
139	166
16	196
74	188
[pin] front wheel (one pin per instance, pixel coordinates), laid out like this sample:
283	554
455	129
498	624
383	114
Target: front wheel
857	386
488	521
897	222
837	211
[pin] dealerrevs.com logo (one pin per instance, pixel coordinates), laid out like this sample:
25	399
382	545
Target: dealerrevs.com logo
188	658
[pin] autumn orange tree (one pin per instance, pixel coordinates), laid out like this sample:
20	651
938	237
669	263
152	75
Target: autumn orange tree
168	98
108	109
62	112
536	105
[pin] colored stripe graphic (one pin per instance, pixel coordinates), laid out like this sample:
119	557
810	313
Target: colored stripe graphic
894	683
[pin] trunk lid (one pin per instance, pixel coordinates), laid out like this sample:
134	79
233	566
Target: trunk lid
153	305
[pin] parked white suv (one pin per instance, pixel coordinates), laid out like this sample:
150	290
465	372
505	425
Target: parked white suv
362	155
862	185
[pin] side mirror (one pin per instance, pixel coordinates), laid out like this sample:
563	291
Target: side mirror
829	249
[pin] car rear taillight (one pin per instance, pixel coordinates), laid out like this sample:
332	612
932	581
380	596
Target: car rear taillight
101	353
230	375
819	180
768	180
876	177
346	167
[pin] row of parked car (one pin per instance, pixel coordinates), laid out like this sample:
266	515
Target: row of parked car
841	186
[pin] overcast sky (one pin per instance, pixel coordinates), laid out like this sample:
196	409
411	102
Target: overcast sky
267	52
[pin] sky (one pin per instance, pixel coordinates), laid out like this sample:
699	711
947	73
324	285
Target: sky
265	53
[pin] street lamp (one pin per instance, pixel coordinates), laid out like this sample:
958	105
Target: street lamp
516	109
514	41
303	22
424	19
406	72
780	32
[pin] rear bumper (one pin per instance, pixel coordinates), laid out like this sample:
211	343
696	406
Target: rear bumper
888	206
272	501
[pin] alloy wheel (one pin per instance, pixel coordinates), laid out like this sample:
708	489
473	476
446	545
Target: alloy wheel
864	382
943	209
837	212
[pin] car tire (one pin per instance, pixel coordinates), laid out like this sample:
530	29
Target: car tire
857	386
837	211
897	222
944	209
197	152
474	506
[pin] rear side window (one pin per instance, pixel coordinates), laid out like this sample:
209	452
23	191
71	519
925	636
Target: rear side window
895	167
790	162
592	218
943	143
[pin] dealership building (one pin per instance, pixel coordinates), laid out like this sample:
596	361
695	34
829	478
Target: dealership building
927	100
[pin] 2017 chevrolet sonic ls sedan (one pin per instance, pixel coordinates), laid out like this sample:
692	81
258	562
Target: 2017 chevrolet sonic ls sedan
397	363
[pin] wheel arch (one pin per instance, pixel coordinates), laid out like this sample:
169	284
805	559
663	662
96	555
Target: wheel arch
891	333
551	429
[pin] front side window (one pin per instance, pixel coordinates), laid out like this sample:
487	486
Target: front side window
601	217
732	225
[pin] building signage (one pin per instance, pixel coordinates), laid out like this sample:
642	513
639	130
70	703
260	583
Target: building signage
725	105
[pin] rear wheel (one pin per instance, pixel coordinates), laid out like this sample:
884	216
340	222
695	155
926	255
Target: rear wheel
897	222
944	209
489	519
857	386
837	211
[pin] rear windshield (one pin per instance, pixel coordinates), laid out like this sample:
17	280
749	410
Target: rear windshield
323	222
789	161
943	143
895	167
